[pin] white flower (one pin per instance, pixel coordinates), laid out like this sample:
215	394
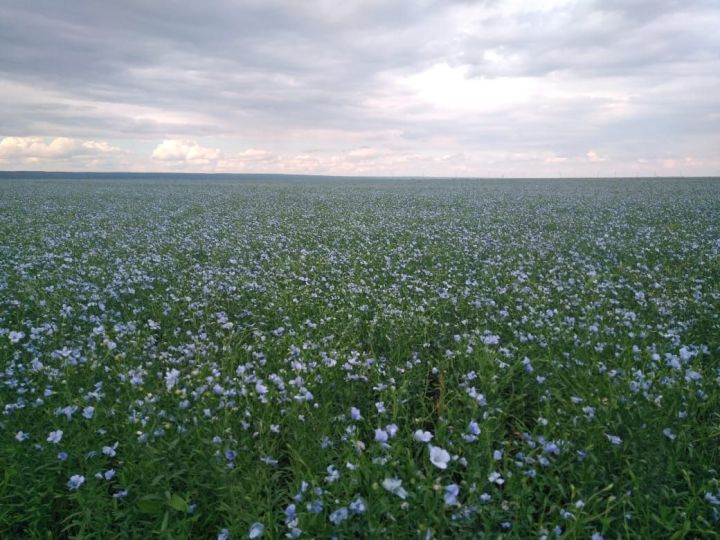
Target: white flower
76	480
496	478
16	336
358	506
339	515
439	457
256	530
21	436
422	436
490	339
153	325
451	493
614	439
333	474
171	378
67	411
110	450
394	486
55	436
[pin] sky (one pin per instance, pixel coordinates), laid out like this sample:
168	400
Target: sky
494	88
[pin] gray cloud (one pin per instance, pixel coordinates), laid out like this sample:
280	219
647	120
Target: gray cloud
636	80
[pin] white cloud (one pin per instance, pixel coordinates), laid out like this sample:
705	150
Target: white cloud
449	88
250	160
185	151
60	154
13	148
381	161
593	156
364	153
255	155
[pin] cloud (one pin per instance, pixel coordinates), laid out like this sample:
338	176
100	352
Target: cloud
61	147
60	153
315	84
593	156
364	153
184	150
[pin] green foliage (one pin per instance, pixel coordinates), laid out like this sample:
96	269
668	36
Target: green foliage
214	353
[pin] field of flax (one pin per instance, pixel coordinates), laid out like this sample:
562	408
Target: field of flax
204	358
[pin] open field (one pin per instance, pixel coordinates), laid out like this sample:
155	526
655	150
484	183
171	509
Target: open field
400	359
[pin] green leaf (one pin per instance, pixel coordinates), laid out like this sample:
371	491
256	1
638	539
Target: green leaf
150	504
157	480
178	503
165	521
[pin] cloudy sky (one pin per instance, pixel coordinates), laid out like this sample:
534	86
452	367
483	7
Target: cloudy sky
371	87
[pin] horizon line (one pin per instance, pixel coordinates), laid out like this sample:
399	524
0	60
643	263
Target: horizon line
326	175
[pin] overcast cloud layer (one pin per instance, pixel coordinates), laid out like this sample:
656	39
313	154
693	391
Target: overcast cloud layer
428	87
